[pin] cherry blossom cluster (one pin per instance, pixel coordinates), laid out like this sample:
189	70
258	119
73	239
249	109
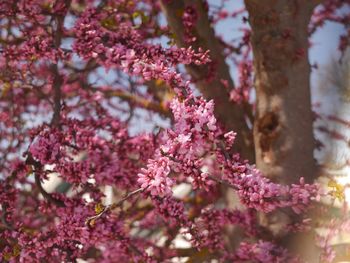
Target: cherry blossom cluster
123	47
77	82
194	150
78	153
260	193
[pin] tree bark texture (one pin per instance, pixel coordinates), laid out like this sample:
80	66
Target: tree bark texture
283	128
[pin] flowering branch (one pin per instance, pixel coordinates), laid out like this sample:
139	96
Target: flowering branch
209	78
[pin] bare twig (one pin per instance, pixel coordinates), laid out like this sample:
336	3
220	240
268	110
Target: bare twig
139	101
107	208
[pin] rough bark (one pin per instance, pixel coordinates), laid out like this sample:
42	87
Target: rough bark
283	133
283	128
230	114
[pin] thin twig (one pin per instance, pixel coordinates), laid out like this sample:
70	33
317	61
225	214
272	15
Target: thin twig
112	206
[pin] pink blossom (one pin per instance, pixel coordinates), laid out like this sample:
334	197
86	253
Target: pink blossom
155	177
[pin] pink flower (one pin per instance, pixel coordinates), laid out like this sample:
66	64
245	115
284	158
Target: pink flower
155	178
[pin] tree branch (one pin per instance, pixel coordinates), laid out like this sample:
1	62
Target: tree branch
37	168
231	115
45	194
57	95
139	101
58	80
91	220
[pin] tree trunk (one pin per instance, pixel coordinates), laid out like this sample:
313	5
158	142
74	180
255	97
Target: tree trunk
283	128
